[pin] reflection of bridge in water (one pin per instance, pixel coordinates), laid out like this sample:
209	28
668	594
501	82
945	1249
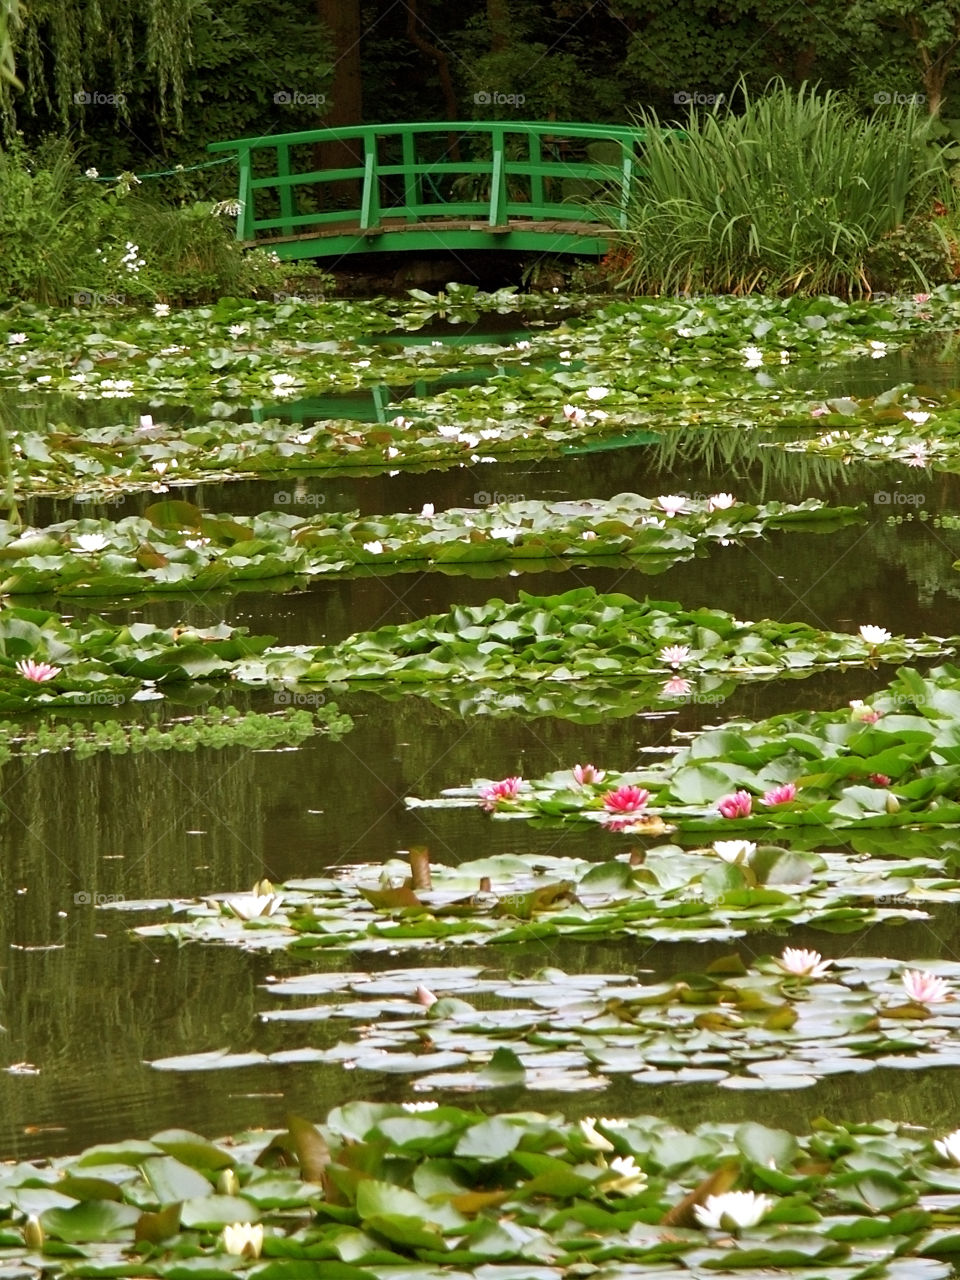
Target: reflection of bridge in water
514	185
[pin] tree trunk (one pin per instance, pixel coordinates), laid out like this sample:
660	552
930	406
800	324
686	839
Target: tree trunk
415	35
498	18
342	20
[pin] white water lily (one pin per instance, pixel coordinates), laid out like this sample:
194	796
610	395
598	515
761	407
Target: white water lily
161	309
916	415
734	1210
401	423
282	379
375	548
501	531
146	421
591	1137
574	414
91	541
720	502
414	1107
15	339
427	511
629	1179
735	851
949	1147
253	906
237	330
671	503
243	1239
195	544
597	393
875	635
803	964
753	357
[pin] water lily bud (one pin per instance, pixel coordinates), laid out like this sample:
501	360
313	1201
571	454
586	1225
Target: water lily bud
893	804
33	1234
243	1239
228	1184
426	997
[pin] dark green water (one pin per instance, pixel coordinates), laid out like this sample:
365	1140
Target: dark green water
86	1005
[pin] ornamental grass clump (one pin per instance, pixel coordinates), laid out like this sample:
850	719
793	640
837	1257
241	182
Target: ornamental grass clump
786	192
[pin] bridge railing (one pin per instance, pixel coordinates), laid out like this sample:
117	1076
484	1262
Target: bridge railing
404	174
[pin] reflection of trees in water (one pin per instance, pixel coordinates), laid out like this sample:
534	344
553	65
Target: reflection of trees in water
732	453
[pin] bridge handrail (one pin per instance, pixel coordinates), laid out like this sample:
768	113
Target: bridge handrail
613	132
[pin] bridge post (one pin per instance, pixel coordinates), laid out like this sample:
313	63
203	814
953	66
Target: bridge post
246	219
287	208
370	204
498	181
626	177
412	188
536	178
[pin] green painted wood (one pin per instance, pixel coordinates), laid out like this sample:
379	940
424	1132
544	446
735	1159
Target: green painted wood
493	198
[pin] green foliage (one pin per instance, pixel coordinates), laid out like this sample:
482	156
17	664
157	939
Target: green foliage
791	194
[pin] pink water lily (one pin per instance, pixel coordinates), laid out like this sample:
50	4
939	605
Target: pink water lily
38	672
675	654
861	711
879	779
921	297
780	795
505	789
737	805
671	503
625	799
574	414
585	774
925	988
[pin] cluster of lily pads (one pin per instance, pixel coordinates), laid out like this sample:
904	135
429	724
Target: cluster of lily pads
890	762
46	661
778	1023
215	729
712	892
381	1191
176	545
659	647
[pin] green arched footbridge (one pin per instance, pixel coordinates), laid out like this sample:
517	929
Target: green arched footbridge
544	187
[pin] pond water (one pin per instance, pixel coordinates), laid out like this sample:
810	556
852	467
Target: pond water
85	1006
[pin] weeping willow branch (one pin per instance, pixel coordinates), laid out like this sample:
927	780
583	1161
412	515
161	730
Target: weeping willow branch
70	48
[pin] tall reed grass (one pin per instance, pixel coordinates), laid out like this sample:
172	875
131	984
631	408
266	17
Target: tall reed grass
790	191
